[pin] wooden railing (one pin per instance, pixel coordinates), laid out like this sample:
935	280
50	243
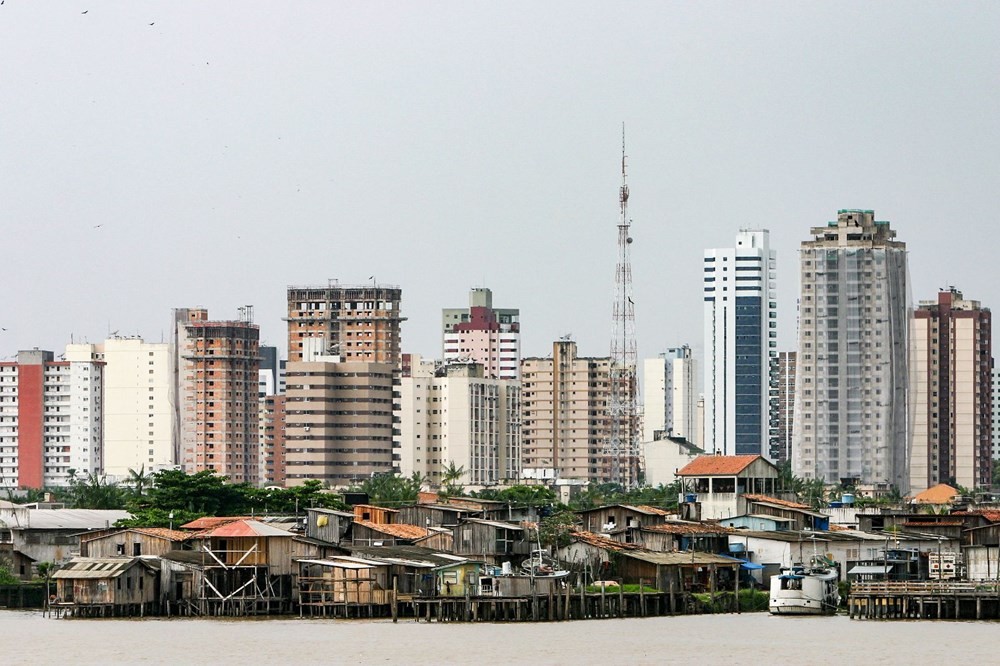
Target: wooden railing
924	587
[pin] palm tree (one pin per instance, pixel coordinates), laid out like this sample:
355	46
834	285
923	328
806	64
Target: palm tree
450	476
139	480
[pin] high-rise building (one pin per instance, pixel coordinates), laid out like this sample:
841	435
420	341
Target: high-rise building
338	420
356	323
951	366
741	321
490	336
272	440
669	393
564	422
50	420
782	406
453	414
216	377
851	369
138	422
996	413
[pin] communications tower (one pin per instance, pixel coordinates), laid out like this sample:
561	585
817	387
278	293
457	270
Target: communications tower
622	447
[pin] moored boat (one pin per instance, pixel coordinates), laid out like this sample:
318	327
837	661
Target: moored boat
802	590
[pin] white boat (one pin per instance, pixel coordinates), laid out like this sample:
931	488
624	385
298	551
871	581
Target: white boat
540	565
802	590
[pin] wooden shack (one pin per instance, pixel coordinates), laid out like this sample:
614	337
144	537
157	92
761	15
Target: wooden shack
375	514
107	586
134	542
336	586
492	541
327	525
239	568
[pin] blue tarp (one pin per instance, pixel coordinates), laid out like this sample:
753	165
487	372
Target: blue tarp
744	564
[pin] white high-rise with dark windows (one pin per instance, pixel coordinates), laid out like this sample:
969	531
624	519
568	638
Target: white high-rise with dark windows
741	321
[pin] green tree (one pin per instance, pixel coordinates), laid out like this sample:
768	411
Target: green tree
450	477
95	492
555	530
392	490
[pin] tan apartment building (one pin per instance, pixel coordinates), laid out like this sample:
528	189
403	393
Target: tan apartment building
951	368
357	323
564	421
338	420
216	380
453	414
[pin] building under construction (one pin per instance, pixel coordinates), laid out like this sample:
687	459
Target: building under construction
216	364
357	323
851	416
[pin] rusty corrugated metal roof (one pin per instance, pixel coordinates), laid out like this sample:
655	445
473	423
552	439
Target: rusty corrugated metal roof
398	530
775	500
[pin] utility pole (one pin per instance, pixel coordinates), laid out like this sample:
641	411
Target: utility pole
622	446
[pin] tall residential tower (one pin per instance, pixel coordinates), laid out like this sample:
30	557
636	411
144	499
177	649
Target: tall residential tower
952	398
851	374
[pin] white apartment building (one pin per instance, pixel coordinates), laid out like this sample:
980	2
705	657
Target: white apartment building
484	334
138	403
741	322
452	413
50	420
850	423
669	390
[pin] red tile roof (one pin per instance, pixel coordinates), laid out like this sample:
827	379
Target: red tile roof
398	530
717	465
775	500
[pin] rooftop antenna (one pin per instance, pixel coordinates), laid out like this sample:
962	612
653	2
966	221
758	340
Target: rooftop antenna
622	446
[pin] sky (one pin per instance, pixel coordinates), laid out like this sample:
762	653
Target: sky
161	154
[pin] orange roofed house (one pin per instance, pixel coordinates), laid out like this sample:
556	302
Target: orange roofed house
715	482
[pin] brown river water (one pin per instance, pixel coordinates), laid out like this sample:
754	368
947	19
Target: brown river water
758	638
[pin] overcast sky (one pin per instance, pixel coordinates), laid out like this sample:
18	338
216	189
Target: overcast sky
231	149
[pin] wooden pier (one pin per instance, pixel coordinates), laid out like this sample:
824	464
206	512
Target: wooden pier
898	600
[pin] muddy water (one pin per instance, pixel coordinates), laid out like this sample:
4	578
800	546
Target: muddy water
27	638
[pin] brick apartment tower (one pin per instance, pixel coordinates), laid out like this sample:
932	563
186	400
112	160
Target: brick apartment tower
357	323
951	370
272	440
564	422
216	375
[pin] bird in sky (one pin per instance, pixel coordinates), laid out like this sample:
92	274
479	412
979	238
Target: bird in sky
85	11
98	226
153	23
